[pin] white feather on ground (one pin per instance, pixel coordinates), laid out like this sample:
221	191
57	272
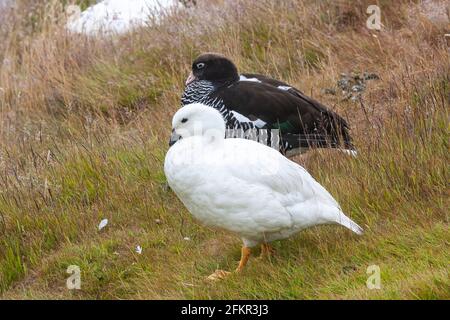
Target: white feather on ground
102	224
241	185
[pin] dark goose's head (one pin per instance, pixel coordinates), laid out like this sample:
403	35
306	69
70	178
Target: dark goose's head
212	67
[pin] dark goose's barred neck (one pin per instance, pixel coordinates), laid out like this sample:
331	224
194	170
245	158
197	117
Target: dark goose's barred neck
200	92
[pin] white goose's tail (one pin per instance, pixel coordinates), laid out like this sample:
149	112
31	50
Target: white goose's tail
349	223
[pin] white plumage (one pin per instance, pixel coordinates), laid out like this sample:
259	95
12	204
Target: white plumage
241	185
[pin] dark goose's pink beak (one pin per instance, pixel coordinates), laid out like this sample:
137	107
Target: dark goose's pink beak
191	78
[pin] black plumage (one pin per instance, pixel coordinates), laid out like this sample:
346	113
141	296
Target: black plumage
253	105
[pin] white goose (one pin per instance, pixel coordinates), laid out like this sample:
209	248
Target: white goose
241	185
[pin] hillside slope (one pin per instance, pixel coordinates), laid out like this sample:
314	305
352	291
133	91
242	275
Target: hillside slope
84	130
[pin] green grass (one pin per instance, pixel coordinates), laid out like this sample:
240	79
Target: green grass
86	139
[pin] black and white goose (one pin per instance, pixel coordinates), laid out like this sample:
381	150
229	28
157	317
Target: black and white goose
254	105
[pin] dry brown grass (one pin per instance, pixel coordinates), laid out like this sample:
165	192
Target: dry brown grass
84	127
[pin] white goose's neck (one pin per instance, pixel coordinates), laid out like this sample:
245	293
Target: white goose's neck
199	142
196	151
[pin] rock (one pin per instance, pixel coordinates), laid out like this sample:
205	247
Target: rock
358	88
370	76
352	85
329	91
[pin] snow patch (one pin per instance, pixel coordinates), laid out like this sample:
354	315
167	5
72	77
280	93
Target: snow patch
116	16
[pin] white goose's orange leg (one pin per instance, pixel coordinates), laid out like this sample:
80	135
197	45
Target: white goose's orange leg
221	274
266	250
245	255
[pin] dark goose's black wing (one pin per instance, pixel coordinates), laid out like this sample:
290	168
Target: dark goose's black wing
302	121
267	80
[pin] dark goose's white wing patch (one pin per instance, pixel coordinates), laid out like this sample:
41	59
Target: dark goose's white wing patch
244	78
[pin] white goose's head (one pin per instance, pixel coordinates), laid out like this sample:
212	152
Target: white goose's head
197	119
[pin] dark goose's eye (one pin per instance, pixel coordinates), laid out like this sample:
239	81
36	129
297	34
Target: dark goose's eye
184	120
200	65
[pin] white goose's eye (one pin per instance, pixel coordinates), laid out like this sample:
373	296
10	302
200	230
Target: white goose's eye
200	65
184	120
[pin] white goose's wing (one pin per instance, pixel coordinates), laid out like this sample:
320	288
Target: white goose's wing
262	165
298	192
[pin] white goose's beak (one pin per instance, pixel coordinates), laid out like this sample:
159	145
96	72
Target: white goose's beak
191	78
174	138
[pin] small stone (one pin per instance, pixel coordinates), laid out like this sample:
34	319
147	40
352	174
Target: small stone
370	76
358	88
347	96
349	269
343	84
329	91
